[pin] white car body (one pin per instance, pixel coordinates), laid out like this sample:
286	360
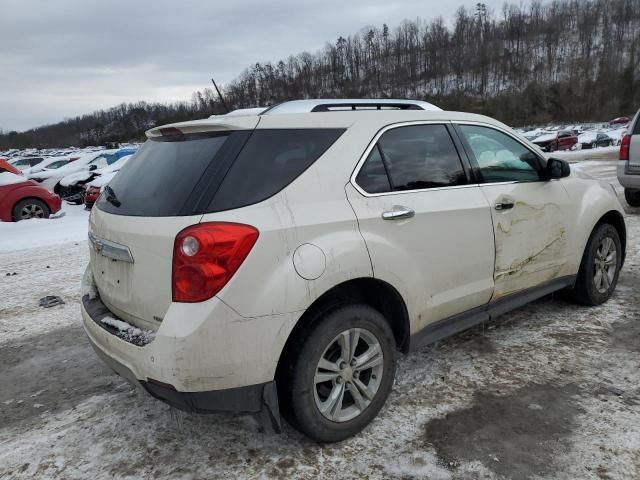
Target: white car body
44	165
106	174
49	178
450	255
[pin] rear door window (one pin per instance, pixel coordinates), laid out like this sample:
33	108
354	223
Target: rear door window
415	158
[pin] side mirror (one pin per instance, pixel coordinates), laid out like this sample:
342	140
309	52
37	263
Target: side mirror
93	167
557	168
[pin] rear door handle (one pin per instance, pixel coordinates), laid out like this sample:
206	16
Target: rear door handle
504	205
398	212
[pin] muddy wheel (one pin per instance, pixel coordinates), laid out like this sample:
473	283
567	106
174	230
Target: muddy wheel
632	197
340	374
600	266
30	208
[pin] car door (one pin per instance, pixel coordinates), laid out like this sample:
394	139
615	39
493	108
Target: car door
529	212
428	230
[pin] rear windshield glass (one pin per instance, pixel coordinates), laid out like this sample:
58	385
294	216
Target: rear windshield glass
159	178
271	160
200	173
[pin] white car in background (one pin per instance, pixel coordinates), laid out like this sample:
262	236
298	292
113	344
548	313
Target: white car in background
24	163
48	164
50	178
279	261
93	188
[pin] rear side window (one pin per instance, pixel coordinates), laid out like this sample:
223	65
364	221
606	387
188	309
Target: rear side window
373	177
157	181
415	157
270	160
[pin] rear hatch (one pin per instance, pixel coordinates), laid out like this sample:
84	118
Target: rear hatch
158	193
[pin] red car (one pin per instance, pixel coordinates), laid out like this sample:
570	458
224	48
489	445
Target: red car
91	194
562	140
21	199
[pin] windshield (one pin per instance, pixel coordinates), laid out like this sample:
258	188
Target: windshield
58	164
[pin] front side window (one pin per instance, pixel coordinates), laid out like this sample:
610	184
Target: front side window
413	158
499	157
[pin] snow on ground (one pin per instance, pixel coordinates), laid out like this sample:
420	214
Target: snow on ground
68	225
551	390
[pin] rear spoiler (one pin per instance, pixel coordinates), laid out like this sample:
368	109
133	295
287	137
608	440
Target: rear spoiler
218	124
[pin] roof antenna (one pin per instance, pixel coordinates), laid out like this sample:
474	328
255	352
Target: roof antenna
224	104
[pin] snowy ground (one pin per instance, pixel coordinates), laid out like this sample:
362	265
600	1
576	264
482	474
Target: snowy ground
549	391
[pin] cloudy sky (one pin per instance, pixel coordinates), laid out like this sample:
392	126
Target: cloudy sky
67	57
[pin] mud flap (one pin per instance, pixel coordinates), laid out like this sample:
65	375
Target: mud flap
270	407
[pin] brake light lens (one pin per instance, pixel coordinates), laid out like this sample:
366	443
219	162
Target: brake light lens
625	144
206	256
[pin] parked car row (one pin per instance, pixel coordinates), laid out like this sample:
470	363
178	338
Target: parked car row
34	187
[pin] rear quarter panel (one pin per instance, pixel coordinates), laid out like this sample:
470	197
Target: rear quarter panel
313	210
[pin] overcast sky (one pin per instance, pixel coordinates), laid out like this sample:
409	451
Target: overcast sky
62	58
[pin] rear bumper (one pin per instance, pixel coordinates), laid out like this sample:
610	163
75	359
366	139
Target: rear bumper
247	399
203	358
55	203
627	178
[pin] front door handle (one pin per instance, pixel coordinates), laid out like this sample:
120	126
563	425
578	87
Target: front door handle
504	205
398	212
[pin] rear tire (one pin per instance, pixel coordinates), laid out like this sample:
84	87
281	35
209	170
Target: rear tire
340	374
30	208
632	197
600	266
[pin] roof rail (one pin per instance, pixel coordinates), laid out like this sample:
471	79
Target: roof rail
340	104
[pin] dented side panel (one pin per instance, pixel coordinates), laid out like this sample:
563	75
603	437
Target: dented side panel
531	238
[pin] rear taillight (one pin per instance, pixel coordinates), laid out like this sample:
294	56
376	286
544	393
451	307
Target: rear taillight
205	257
624	147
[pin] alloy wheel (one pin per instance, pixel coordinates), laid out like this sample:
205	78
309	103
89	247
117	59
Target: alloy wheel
605	265
31	210
348	375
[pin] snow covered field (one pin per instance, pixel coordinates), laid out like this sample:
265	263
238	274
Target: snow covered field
551	390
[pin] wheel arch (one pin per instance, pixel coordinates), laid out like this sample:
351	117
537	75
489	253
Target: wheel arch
376	293
615	218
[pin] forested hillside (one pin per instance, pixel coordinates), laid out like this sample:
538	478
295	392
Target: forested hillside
564	60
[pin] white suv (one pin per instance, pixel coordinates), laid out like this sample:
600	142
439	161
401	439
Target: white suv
277	262
629	164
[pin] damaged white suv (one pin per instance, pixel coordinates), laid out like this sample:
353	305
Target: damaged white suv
278	262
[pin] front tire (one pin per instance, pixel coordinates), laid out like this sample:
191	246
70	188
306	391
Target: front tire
632	197
600	267
340	375
30	208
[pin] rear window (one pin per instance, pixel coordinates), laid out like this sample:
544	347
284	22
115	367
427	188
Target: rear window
202	173
157	181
